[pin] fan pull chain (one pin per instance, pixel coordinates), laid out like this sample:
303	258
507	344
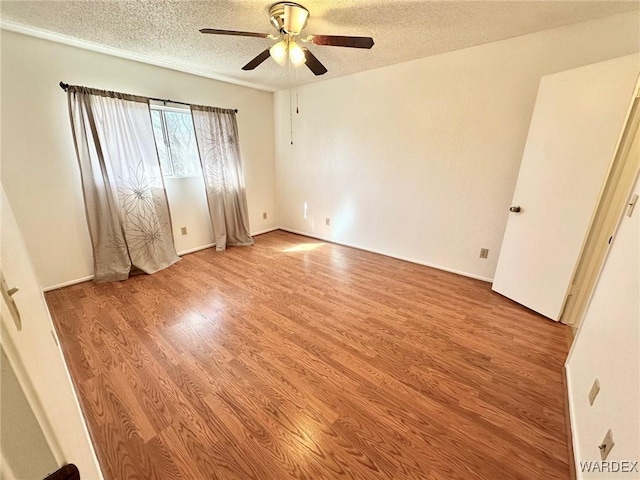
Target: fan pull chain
292	85
296	75
290	116
290	102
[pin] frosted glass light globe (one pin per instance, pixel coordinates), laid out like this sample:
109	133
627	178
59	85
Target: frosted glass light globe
296	54
279	52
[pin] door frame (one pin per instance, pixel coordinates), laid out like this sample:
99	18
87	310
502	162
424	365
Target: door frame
612	202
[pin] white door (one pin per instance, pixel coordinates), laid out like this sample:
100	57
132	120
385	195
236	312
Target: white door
575	126
24	451
32	349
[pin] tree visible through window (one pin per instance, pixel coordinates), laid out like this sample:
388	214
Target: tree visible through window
176	142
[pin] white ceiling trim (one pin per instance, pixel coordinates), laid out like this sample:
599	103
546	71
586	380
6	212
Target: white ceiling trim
115	52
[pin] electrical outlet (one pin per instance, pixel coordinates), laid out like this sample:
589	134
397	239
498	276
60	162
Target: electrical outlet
264	215
327	221
593	393
606	445
183	230
484	252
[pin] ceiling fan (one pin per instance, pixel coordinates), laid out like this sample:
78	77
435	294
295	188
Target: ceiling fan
289	19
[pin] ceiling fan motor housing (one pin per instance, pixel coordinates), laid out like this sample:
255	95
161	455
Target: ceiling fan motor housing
288	17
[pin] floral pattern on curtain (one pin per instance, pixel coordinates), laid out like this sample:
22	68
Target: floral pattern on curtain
125	200
217	136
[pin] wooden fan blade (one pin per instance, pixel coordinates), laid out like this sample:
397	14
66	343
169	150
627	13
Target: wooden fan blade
237	33
341	41
257	60
313	63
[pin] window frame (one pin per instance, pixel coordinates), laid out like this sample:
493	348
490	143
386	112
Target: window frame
162	108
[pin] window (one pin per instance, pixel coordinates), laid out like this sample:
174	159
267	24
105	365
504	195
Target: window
176	141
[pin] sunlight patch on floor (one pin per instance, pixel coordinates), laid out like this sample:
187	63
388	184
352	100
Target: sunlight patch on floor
202	325
303	247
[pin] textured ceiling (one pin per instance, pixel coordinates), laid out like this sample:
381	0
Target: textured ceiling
166	32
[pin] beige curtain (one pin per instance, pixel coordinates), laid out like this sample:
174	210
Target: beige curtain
125	200
217	135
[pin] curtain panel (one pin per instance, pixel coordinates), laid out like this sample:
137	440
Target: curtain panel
216	132
125	200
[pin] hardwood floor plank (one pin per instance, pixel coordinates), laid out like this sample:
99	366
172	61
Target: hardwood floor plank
300	359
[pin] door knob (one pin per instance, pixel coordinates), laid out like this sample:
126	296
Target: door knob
515	209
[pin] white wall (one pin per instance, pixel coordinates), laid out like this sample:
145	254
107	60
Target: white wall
607	347
188	202
39	168
419	160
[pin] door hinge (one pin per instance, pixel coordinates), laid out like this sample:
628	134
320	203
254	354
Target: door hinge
632	205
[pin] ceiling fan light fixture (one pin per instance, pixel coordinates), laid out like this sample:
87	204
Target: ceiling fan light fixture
279	52
289	19
296	54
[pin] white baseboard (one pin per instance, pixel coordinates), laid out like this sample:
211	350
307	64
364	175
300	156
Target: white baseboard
386	254
195	249
253	234
570	401
203	247
180	254
68	284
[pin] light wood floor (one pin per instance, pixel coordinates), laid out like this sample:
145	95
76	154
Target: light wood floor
297	359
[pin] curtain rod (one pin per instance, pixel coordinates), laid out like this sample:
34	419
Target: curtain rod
64	86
